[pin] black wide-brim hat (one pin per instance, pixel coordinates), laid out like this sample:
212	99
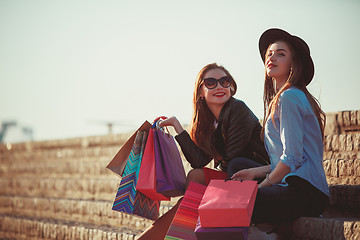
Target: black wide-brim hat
300	47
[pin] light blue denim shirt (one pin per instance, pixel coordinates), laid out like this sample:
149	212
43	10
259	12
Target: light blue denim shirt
296	139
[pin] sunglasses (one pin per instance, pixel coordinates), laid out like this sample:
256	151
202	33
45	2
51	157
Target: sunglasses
211	83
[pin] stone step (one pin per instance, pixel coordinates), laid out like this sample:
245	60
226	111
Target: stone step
74	143
72	188
12	227
342	172
60	153
345	196
63	167
326	228
68	167
85	211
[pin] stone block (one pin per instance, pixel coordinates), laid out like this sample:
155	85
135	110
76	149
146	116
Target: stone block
327	143
346	168
353	118
357	167
334	168
332	126
356	140
335	143
340	119
342	142
349	143
327	167
346	118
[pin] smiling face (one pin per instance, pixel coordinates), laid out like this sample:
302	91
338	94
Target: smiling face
278	62
219	95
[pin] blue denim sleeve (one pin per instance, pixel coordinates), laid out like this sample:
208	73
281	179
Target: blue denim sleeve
291	130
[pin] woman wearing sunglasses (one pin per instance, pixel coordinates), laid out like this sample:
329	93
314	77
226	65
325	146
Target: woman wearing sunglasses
223	129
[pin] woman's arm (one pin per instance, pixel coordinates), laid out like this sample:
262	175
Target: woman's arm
280	171
172	121
291	135
193	154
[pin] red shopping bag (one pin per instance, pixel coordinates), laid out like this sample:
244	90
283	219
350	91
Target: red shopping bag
147	175
228	203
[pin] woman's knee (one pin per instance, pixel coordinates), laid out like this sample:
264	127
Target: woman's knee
195	175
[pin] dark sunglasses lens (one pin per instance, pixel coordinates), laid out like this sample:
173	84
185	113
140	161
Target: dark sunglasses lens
210	83
225	82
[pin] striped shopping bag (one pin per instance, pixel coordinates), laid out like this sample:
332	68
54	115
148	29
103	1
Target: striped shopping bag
128	199
185	220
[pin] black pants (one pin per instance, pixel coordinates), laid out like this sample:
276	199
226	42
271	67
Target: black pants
277	203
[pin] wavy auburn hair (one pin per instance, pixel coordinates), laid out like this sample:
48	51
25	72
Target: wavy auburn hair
296	78
202	127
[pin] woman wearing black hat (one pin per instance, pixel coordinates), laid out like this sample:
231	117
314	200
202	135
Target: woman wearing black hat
295	183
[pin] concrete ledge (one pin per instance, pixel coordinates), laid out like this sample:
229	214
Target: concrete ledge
345	197
326	228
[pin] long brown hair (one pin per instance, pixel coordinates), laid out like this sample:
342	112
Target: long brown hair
202	126
296	78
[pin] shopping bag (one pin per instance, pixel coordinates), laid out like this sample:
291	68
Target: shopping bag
228	203
184	222
147	177
170	172
220	233
118	163
128	199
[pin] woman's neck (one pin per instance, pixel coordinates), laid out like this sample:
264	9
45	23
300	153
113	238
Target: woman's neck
216	109
279	83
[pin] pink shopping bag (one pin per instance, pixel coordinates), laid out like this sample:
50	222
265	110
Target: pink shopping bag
228	203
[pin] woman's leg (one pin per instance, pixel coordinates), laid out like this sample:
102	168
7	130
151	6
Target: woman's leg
277	203
195	175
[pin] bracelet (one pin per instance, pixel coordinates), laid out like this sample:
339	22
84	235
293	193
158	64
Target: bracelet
268	179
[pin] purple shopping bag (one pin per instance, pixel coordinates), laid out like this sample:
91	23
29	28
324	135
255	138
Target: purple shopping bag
170	172
220	233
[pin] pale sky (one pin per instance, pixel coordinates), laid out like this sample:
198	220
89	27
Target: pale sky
67	67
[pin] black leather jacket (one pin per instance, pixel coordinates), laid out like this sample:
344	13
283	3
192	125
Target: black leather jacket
237	135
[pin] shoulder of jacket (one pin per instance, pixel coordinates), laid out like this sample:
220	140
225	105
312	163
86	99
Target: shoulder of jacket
236	103
292	93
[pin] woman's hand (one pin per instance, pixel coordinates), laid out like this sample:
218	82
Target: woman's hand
245	174
172	121
251	173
